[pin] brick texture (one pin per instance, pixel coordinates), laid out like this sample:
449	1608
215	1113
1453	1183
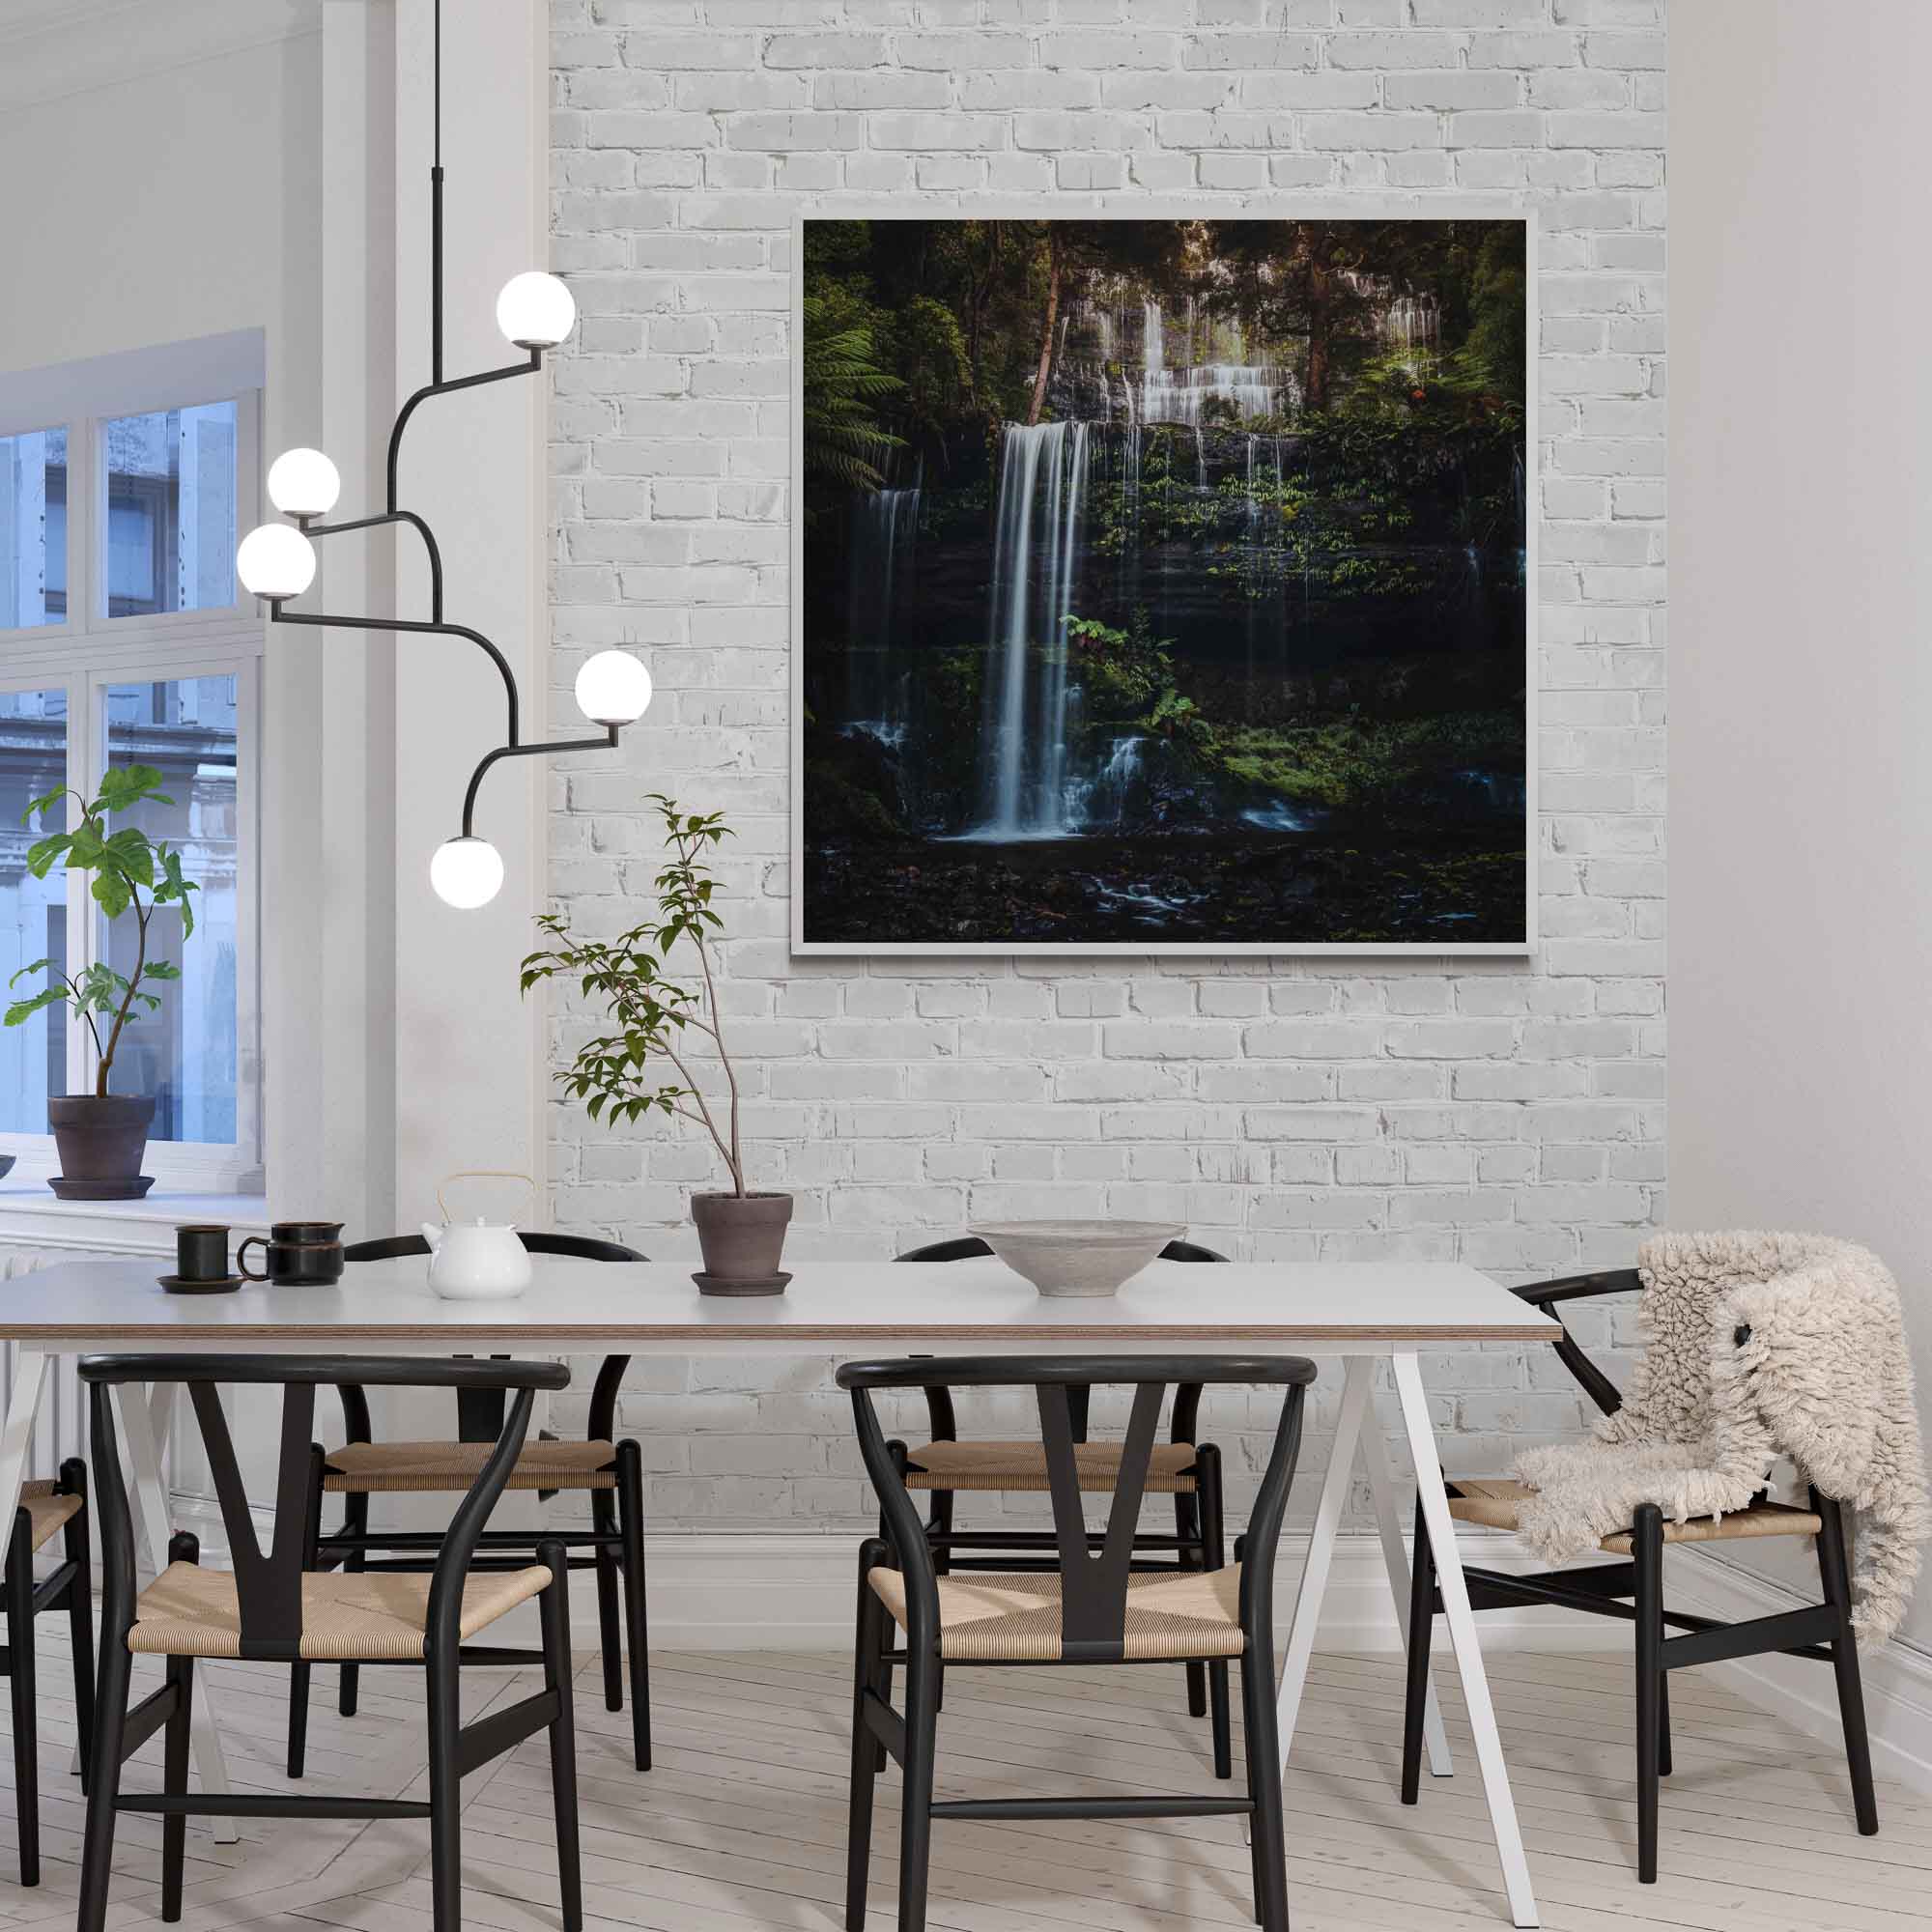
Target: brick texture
1501	1113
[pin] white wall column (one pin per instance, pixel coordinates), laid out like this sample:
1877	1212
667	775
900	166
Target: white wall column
468	1091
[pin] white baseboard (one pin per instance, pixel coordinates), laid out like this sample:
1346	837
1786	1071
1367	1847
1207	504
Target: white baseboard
798	1592
1897	1678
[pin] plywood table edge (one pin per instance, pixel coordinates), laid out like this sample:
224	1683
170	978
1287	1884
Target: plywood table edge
108	1340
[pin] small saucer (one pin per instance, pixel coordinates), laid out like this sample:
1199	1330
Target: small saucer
221	1284
723	1284
100	1191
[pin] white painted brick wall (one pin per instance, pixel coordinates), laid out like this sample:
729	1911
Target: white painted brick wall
1497	1113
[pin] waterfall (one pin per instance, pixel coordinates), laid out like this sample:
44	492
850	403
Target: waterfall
884	527
1102	799
1250	388
1037	534
1150	349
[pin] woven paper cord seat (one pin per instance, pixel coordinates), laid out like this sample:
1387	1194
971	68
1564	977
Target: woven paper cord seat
415	1468
189	1611
1022	1466
1494	1502
1015	1619
45	1511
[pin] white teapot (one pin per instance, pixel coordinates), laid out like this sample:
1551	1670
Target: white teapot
478	1261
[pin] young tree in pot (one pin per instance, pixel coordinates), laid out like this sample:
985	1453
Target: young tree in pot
103	1136
658	1025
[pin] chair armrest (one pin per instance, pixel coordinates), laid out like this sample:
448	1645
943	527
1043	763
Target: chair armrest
1579	1287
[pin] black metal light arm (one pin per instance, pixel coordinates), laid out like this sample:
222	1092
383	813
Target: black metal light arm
326	620
443	388
310	529
514	751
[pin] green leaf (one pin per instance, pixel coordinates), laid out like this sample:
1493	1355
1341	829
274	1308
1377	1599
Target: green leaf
130	851
40	857
112	893
124	785
22	1009
161	969
38	966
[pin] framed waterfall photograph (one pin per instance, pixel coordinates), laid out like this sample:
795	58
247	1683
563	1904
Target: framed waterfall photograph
1163	584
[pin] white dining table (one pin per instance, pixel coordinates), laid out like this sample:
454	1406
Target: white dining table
1354	1315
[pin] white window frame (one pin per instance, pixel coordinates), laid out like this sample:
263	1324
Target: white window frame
88	651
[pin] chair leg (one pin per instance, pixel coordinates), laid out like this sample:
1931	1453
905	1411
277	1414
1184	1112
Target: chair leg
103	1786
1647	1549
637	1634
609	1636
356	1523
922	1742
1663	1763
868	1757
1187	1532
19	1598
1214	1556
1834	1573
1264	1750
445	1797
299	1673
174	1781
1420	1631
80	1612
553	1608
939	1530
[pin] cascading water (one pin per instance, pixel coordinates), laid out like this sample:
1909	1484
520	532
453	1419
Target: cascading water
1039	529
885	526
1101	801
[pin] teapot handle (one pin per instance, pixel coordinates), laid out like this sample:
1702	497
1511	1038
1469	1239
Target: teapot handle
483	1174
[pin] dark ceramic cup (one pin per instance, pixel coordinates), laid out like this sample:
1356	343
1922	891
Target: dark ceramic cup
293	1264
201	1253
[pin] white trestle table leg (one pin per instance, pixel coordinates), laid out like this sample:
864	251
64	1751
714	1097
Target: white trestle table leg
1328	1514
1461	1624
17	1438
1374	1458
144	1426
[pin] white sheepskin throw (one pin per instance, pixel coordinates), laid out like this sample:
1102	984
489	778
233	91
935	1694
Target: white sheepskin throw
1824	1377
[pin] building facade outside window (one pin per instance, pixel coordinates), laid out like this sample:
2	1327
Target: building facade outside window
124	638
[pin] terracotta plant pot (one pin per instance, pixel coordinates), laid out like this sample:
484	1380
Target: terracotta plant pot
103	1139
743	1239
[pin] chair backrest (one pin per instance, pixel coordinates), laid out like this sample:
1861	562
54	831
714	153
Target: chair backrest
577	1247
269	1583
971	1249
940	1413
479	1413
1094	1584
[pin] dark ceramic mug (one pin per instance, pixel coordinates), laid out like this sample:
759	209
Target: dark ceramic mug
291	1262
201	1253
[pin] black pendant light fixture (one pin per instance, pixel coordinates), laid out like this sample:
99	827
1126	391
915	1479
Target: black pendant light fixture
276	561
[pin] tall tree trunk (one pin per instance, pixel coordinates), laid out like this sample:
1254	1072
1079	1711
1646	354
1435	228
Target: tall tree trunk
1321	324
1053	274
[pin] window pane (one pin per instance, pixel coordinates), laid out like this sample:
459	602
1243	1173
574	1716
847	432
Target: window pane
171	511
33	528
185	1054
33	912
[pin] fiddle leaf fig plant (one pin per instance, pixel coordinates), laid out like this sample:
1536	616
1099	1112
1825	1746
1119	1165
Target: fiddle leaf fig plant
131	873
621	1074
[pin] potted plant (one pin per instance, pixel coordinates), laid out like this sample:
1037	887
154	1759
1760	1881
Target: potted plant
103	1136
659	1023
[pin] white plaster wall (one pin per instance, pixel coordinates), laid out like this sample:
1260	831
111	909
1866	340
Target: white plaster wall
1801	468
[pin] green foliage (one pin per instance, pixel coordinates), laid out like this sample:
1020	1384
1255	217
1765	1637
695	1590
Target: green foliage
843	441
124	866
617	1075
933	360
1358	761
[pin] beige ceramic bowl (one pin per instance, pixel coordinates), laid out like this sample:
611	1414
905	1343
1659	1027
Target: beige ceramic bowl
1077	1257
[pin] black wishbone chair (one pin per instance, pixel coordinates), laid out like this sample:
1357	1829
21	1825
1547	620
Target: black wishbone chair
1822	1631
47	1509
273	1608
610	1472
1182	1466
1094	1608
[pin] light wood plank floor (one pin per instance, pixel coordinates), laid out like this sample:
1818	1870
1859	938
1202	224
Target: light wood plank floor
741	1824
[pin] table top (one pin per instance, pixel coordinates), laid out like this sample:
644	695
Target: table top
878	1307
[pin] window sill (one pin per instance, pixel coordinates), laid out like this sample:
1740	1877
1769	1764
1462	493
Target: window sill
30	1216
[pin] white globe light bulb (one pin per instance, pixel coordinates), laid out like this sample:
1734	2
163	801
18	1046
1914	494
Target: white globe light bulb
276	561
535	310
614	688
303	483
467	872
